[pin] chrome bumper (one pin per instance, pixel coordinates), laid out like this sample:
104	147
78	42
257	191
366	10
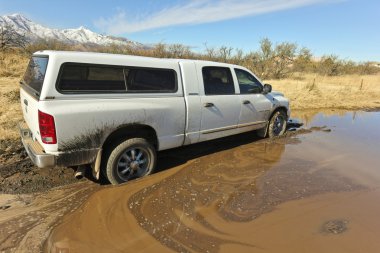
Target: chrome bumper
34	149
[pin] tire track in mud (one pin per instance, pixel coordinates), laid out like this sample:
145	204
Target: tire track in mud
28	221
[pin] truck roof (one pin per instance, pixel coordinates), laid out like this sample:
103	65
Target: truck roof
76	56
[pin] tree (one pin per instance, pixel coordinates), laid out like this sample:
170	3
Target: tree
261	60
284	55
178	51
303	61
272	61
367	68
9	38
330	65
225	53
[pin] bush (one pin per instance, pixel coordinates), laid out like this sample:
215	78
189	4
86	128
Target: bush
270	61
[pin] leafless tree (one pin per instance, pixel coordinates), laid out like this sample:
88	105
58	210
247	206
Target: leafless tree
9	38
285	53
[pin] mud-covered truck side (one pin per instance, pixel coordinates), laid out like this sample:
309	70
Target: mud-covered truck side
112	113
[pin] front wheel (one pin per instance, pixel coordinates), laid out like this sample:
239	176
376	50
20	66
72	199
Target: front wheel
277	124
131	159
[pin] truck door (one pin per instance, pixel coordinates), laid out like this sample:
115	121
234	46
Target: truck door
255	105
220	105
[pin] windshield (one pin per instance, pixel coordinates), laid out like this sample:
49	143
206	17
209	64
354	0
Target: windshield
35	73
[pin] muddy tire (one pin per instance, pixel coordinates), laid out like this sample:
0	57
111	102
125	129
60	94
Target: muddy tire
130	159
277	124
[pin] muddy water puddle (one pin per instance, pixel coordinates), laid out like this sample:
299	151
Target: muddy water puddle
313	191
27	219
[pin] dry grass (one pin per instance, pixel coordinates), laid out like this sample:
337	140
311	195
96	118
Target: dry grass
12	64
12	67
350	92
306	91
10	110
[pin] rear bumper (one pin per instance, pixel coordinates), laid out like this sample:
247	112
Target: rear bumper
34	149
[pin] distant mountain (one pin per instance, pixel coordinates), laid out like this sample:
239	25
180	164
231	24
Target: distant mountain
82	35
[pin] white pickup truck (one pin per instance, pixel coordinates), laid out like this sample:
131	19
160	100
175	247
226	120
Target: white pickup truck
113	112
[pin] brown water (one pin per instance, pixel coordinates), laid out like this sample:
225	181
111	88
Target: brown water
313	191
26	219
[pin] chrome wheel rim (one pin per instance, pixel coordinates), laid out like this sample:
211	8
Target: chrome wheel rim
132	163
278	124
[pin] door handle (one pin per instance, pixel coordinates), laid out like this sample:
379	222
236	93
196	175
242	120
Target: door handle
208	104
26	102
245	102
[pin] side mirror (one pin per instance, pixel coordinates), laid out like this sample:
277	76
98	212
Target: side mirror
267	88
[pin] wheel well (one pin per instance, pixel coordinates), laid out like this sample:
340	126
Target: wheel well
281	108
131	131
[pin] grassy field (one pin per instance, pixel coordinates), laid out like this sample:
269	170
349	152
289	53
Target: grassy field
306	91
310	91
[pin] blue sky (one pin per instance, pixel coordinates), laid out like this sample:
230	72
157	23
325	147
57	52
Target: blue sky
347	28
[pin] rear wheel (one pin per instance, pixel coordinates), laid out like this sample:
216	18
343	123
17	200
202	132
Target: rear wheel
131	159
277	124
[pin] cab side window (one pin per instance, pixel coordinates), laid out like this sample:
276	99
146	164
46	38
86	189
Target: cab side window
218	81
248	84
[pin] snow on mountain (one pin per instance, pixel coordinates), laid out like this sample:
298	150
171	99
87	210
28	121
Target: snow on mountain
34	31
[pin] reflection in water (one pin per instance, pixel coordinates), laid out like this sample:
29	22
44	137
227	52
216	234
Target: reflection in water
212	202
308	116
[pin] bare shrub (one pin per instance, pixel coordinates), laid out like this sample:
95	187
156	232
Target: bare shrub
49	45
330	65
285	54
269	61
10	39
303	62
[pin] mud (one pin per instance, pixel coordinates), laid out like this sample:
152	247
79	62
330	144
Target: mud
18	175
315	190
33	200
27	219
334	226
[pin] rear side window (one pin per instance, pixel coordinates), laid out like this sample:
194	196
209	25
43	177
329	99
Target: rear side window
35	73
218	81
75	77
150	80
91	78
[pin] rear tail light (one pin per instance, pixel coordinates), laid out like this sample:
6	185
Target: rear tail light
47	128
